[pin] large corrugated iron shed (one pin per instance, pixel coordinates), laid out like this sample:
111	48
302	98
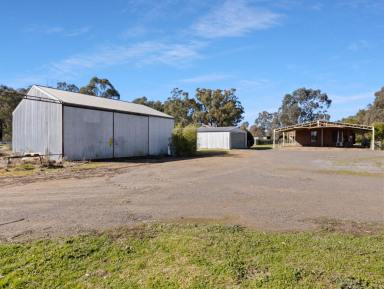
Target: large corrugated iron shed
76	126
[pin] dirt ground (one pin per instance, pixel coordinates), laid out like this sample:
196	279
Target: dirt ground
279	190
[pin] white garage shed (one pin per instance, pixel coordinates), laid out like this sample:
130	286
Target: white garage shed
221	138
76	126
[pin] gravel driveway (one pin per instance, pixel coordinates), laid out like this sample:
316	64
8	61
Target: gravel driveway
267	189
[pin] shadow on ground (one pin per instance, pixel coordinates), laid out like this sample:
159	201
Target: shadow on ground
261	148
166	159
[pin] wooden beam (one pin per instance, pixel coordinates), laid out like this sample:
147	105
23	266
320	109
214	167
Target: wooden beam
325	124
373	139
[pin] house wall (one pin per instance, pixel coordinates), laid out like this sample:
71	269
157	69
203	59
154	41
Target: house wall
213	140
303	137
238	140
37	127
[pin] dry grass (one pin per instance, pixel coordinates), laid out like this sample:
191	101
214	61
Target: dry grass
347	172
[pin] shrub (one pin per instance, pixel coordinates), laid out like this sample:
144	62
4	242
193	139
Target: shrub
379	132
184	140
250	138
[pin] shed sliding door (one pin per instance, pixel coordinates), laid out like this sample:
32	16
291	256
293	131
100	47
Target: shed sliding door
87	134
130	135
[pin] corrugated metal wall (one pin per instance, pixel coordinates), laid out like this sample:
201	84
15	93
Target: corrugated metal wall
160	133
238	140
131	135
96	134
88	134
37	127
213	140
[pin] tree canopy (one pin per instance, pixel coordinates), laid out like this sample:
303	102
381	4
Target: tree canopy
67	87
212	107
181	107
9	99
266	122
244	125
100	87
255	131
303	105
218	107
153	104
374	112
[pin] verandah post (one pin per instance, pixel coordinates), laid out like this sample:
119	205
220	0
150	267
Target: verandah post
373	138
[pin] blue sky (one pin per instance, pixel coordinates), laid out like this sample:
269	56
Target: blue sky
263	48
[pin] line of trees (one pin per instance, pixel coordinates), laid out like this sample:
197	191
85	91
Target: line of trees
215	107
9	99
373	113
302	105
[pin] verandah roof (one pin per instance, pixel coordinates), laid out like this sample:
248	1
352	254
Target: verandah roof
325	124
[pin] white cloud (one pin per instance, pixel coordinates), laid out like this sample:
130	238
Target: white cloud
52	30
78	31
58	30
362	4
140	54
143	53
234	18
253	83
352	98
317	6
134	31
206	78
358	45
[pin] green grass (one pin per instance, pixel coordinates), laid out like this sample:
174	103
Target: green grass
19	170
262	147
196	256
27	169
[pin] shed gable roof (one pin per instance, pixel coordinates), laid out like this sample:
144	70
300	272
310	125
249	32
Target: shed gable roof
84	100
220	129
